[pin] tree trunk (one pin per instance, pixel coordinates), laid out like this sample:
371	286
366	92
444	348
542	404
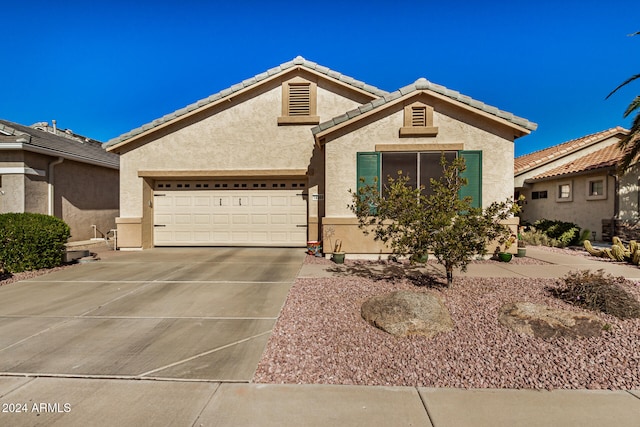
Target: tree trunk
449	276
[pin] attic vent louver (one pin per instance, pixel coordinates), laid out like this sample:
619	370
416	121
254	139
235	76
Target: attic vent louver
419	116
299	99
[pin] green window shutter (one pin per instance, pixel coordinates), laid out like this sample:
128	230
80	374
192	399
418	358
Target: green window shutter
368	167
473	174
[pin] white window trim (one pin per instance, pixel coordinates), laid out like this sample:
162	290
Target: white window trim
564	199
602	196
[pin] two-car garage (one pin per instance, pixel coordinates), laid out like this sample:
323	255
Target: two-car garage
230	213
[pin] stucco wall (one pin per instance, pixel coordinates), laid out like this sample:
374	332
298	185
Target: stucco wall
456	130
588	214
86	195
629	188
83	194
12	196
341	173
240	134
244	136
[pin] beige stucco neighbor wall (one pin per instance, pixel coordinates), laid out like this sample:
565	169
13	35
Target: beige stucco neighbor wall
12	196
629	201
84	195
341	154
242	134
588	214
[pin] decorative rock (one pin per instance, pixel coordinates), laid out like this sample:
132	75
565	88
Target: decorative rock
404	313
541	321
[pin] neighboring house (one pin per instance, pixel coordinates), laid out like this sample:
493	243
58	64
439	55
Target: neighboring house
576	181
54	172
270	161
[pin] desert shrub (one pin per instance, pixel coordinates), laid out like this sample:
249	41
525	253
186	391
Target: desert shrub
538	238
566	233
31	241
598	292
584	235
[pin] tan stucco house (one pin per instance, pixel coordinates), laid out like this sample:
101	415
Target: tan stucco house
57	172
576	181
270	161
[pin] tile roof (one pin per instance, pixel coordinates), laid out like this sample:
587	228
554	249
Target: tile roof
606	157
83	150
541	157
298	61
424	84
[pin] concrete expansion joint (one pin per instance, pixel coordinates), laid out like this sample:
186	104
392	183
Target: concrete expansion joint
424	405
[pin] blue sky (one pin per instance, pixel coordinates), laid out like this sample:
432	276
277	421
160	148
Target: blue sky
104	68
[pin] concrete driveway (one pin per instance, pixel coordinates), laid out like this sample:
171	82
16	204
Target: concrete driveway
190	313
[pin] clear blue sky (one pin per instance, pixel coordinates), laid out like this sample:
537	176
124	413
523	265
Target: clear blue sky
104	68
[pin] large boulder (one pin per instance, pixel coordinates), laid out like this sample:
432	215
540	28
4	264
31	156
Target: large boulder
405	313
541	321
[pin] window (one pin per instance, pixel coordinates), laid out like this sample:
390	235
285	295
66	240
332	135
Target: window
538	195
420	167
418	121
597	188
298	103
563	192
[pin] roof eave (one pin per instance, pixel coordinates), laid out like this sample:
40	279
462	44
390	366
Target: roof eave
321	135
49	152
115	143
575	149
601	169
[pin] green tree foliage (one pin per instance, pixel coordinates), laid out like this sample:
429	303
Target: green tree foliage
630	144
413	223
30	241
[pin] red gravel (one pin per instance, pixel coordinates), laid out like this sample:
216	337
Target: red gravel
8	278
320	338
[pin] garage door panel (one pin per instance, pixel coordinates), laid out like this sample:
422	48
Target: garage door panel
260	219
298	219
260	201
202	219
220	219
182	219
279	201
230	217
240	219
202	201
202	236
183	200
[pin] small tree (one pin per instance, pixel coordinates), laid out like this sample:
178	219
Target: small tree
411	222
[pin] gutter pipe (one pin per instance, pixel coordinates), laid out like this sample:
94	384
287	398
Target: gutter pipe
50	186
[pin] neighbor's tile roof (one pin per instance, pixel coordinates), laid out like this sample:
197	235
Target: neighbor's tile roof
296	62
606	157
83	150
424	84
539	158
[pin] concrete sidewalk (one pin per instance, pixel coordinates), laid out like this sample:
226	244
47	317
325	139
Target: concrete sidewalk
73	402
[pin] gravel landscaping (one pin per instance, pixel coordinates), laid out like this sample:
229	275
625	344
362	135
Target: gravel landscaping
8	278
320	338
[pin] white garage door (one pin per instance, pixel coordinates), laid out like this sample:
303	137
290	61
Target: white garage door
231	217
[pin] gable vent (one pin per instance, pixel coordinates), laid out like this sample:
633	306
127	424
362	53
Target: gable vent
419	116
299	99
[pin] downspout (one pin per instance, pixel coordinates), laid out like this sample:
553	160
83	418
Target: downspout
50	186
616	202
